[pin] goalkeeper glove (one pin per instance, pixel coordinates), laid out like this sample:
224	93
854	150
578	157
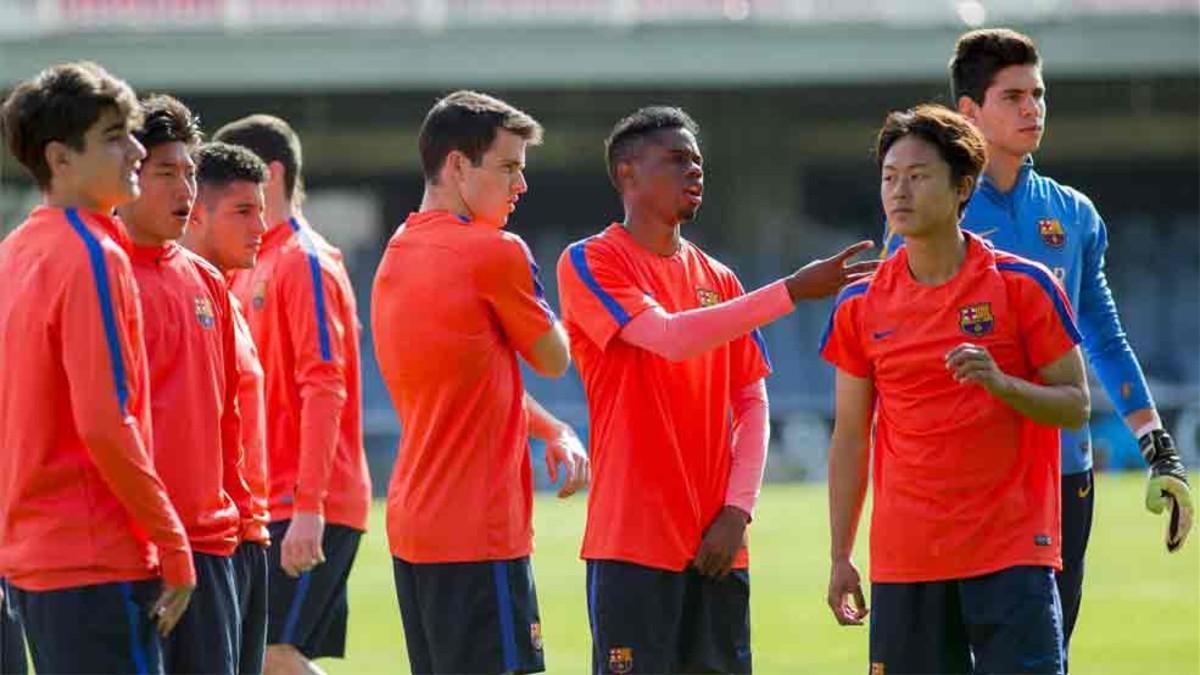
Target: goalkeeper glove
1168	485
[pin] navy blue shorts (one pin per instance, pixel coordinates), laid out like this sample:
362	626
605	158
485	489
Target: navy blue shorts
250	578
310	612
102	628
470	617
647	620
12	637
1078	502
207	636
1005	622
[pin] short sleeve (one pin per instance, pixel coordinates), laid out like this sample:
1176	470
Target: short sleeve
842	343
1046	322
749	358
510	283
597	291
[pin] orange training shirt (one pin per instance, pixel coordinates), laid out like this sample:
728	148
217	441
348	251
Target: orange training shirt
453	304
661	432
80	501
964	485
193	393
254	431
301	310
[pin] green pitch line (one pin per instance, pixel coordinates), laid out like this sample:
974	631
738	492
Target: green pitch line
1140	608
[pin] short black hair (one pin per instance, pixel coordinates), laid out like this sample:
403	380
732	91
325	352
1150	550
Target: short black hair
60	104
958	142
165	119
627	135
219	164
467	121
273	140
980	54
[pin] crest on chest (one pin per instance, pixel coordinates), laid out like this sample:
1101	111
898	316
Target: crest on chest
204	312
1052	232
706	297
976	319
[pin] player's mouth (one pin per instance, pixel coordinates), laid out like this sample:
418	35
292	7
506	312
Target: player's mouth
1035	129
181	214
694	193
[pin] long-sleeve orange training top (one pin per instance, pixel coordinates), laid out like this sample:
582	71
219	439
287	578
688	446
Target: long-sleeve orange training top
80	501
303	317
190	349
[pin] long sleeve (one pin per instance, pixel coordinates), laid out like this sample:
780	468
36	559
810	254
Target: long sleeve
684	335
233	464
751	434
315	311
105	365
1104	338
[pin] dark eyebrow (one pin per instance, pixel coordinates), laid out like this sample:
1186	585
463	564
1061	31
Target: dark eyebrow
115	126
914	165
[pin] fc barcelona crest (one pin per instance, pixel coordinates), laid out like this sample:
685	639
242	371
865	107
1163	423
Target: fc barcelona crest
1052	232
976	320
620	660
535	636
204	312
259	297
707	298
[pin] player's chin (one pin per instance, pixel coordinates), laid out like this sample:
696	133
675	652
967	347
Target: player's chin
688	213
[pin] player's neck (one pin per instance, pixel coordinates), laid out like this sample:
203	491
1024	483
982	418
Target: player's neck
70	199
1003	169
196	244
437	198
279	209
934	259
139	234
652	234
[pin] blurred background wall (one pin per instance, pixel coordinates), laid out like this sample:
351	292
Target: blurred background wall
788	93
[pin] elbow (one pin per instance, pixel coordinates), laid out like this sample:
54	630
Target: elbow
1081	411
553	365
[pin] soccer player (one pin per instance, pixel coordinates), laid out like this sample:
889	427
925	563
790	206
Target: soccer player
963	359
302	314
192	360
456	300
86	526
996	81
673	367
226	228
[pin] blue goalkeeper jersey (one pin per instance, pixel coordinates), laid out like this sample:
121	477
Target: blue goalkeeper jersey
1059	227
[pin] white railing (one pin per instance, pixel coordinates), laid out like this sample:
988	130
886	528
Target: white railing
43	16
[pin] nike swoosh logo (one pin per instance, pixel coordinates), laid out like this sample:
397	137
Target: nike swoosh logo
882	334
1084	491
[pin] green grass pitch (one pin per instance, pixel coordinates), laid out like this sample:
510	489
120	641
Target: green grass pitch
1140	611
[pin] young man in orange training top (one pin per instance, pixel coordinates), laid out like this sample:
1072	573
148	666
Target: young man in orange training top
303	317
456	300
996	82
188	329
957	363
673	366
226	228
86	526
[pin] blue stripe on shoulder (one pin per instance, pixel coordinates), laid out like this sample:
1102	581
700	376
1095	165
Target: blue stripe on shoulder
314	266
104	294
579	262
844	295
1043	279
133	614
762	346
508	636
539	290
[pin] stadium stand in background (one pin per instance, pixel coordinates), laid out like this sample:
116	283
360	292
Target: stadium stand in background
788	93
